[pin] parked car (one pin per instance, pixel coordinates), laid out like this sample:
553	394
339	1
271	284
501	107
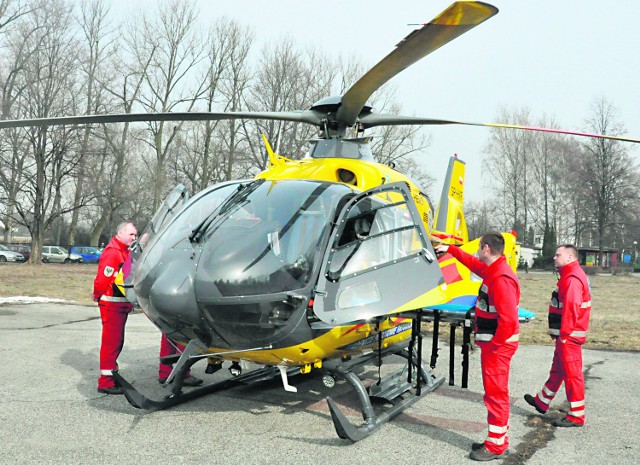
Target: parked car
89	254
57	254
7	255
24	250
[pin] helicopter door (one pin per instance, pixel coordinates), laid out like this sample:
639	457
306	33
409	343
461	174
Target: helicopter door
378	259
171	205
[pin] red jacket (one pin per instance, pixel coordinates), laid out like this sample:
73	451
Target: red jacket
104	288
497	306
570	307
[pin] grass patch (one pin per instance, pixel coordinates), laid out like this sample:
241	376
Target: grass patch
615	318
72	282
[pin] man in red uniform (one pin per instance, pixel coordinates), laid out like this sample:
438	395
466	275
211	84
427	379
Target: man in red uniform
497	332
114	306
569	314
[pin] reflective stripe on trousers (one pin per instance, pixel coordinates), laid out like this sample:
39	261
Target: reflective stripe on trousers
113	323
496	362
110	298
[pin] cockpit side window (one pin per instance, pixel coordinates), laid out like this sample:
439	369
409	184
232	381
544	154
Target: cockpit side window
376	232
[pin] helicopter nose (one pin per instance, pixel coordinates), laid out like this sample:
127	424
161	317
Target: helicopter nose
172	293
173	305
256	320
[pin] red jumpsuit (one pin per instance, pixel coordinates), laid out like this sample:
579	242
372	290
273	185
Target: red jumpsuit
114	309
497	331
169	348
569	314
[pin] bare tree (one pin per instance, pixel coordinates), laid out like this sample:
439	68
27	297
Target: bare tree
96	50
286	79
480	218
119	141
607	173
397	146
47	89
10	11
508	155
22	41
171	44
351	69
548	200
206	151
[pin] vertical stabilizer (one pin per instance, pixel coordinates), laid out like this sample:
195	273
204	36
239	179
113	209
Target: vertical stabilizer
450	225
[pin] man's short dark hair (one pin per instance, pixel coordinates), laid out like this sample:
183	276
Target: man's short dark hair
571	248
495	241
123	225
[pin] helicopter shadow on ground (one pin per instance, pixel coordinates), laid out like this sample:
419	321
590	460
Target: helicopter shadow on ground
259	398
87	365
434	424
255	399
310	396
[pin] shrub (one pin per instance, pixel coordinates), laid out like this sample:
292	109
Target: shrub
544	263
592	270
620	270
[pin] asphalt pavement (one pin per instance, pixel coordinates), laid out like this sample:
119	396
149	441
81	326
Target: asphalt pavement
51	412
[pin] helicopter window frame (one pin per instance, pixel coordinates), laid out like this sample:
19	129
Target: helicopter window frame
168	206
355	246
355	243
177	228
211	222
357	149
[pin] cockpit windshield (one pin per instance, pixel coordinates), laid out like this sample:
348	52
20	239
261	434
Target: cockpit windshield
267	241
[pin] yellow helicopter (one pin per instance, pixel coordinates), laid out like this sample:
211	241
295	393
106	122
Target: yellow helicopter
322	263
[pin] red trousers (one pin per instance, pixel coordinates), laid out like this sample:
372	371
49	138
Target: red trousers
169	348
566	367
113	319
496	364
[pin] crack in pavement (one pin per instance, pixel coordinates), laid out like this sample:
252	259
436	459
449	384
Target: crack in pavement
56	324
543	429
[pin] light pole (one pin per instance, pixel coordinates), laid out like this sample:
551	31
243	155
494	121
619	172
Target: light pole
635	257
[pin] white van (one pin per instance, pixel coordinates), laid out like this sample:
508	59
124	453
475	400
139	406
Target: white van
57	254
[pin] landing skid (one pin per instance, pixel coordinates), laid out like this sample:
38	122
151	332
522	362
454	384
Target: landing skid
401	389
137	400
397	388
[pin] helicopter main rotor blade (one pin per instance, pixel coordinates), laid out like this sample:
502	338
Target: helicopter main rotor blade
306	116
459	18
373	120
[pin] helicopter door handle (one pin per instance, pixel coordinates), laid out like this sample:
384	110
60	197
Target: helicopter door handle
294	296
293	299
428	255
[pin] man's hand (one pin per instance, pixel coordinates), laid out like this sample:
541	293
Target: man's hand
441	249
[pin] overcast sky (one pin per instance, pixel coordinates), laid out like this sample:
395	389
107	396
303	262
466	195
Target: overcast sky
554	57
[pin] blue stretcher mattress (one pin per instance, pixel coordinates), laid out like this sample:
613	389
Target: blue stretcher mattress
463	303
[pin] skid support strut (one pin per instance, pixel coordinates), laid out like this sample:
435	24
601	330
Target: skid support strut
400	389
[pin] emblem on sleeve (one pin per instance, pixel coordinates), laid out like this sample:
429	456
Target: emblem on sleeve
108	271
